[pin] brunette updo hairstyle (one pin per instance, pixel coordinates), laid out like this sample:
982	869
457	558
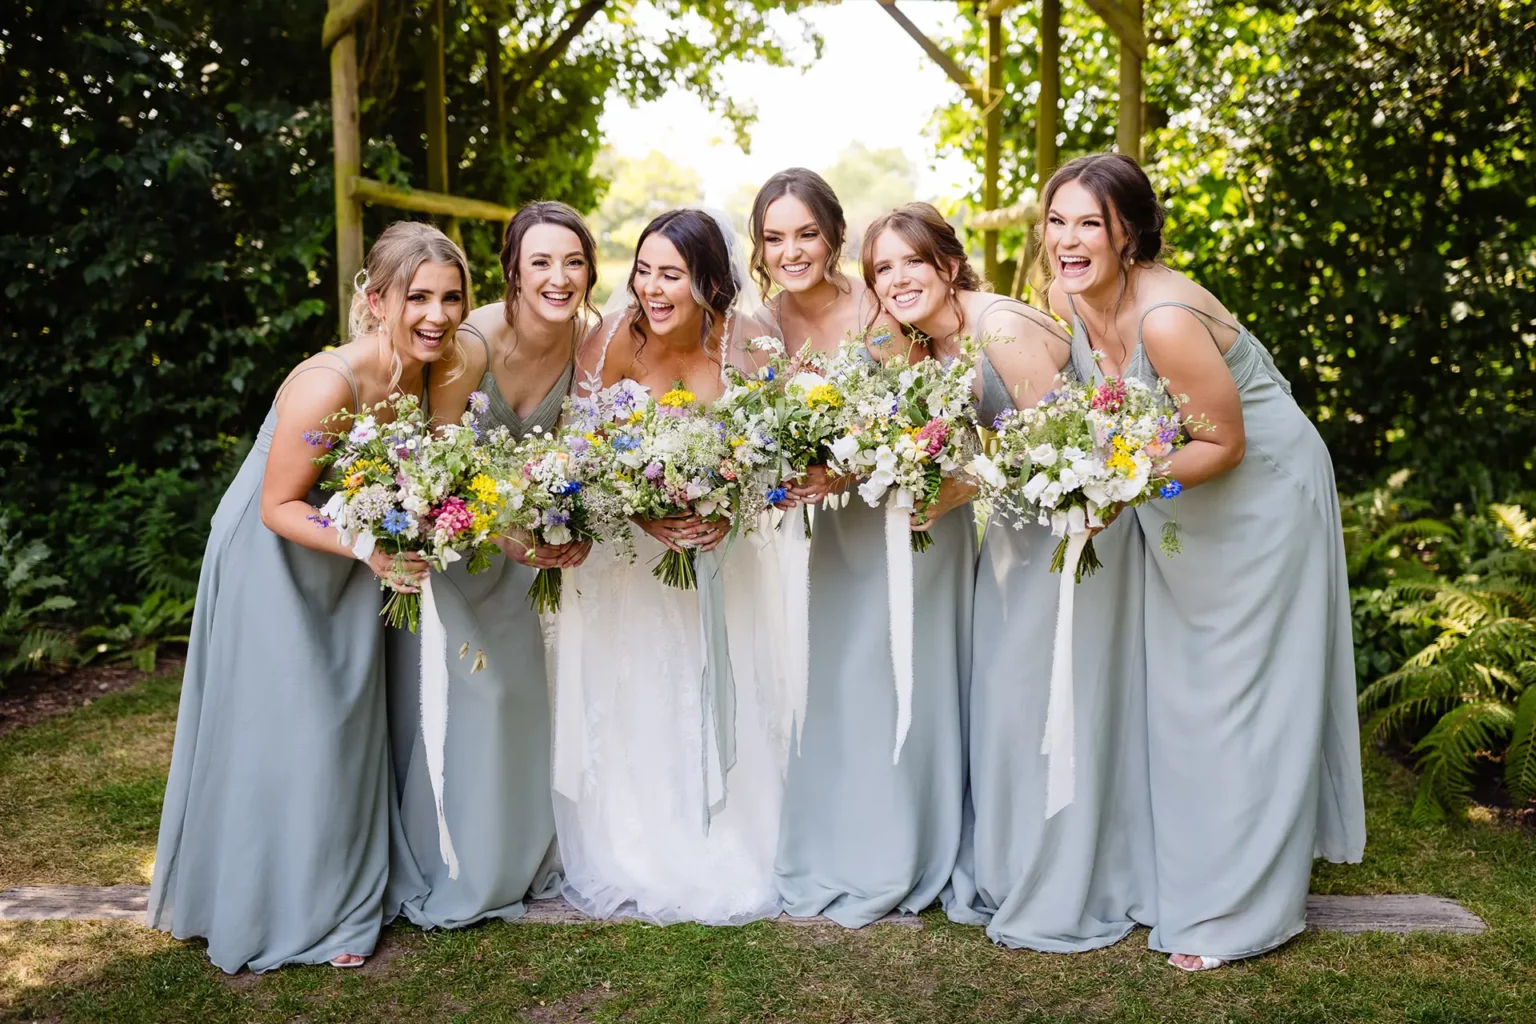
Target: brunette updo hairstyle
934	241
812	190
388	269
708	256
530	215
1125	196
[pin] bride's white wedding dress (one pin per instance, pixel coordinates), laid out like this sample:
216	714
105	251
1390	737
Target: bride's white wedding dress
634	749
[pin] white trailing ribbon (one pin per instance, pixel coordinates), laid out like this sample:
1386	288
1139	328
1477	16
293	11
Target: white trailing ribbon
794	552
1058	742
570	703
898	594
434	712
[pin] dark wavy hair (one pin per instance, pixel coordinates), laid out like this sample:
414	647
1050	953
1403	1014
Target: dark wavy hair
708	259
530	215
812	190
1125	195
934	241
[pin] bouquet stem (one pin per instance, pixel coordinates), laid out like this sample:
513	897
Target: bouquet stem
922	540
544	594
402	611
675	569
1086	565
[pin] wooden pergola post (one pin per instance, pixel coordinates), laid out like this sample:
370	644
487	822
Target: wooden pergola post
1050	90
994	140
348	145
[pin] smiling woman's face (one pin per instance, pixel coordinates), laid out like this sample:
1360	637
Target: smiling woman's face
911	289
1081	243
662	283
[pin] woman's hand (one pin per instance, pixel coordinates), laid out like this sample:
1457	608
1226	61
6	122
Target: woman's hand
402	572
952	494
818	483
679	533
1107	518
522	548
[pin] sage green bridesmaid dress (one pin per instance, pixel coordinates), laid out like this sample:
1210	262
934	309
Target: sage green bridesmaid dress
1253	738
1084	878
860	837
496	772
276	828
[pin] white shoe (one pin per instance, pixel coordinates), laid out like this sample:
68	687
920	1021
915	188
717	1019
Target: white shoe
339	962
1207	963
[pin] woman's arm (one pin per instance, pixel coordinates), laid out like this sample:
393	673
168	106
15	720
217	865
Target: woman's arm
309	398
1182	349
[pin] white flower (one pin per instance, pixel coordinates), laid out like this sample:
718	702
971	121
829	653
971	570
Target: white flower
557	534
844	448
805	380
363	431
985	470
1035	487
1051	495
1068	480
767	343
362	548
1043	455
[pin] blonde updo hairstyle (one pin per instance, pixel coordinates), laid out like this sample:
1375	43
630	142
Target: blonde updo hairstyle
386	275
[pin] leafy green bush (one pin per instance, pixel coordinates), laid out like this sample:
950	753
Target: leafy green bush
27	642
160	619
1468	695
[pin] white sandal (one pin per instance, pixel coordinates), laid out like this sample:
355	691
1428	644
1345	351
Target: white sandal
1207	963
343	964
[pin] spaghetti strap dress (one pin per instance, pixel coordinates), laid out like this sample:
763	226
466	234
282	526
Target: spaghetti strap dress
861	837
275	833
497	757
1253	738
1083	878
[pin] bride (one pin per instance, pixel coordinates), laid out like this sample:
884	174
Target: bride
654	820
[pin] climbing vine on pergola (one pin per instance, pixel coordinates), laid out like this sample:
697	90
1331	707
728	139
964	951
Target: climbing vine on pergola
339	38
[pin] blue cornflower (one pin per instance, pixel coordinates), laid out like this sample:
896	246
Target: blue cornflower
1172	489
571	487
776	495
882	338
396	522
625	443
770	375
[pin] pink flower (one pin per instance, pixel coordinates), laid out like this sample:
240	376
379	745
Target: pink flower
932	436
1109	396
452	516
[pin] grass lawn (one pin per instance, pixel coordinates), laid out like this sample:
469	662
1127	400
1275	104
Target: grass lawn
81	798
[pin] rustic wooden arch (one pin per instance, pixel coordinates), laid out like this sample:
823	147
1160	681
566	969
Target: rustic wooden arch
338	37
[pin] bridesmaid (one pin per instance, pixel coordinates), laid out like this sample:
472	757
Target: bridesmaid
1082	879
276	830
861	837
1253	740
518	354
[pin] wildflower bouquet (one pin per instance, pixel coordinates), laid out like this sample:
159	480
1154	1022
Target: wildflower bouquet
779	419
904	428
398	487
1083	450
545	503
654	458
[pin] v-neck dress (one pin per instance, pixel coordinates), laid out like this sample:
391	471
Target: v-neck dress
497	758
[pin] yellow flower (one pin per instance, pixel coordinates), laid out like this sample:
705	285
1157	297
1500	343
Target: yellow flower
483	521
484	489
737	442
677	398
637	416
824	394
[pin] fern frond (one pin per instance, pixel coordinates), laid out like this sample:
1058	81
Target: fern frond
1448	753
1520	761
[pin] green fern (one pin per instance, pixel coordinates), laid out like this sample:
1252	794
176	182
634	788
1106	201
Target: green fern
1467	693
26	642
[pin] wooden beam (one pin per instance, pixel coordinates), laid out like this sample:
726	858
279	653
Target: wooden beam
1124	19
1128	124
340	19
437	102
348	146
1050	91
993	127
495	79
379	194
1021	214
956	73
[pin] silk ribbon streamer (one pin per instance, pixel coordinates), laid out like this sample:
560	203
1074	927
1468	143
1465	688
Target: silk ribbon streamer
434	712
570	694
1060	729
794	551
898	588
717	684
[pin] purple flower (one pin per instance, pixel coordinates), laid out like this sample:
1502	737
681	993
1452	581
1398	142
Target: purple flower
320	521
553	518
479	403
580	445
653	471
317	439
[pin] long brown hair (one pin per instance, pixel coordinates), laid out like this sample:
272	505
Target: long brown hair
934	241
392	262
528	216
812	190
1125	196
707	255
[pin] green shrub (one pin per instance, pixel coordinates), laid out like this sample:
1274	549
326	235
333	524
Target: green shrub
27	642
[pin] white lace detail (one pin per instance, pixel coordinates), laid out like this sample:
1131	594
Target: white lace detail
594	382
